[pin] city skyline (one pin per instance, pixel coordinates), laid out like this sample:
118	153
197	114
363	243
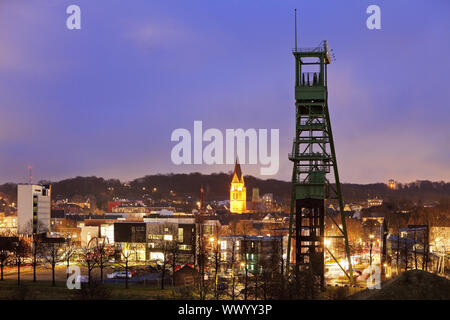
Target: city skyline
104	100
202	154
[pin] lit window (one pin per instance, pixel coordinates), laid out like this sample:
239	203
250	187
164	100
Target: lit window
156	256
184	247
168	237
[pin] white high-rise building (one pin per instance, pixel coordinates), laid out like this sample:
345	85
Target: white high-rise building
33	208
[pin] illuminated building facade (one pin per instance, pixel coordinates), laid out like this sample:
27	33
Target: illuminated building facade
391	184
374	202
238	191
33	211
8	224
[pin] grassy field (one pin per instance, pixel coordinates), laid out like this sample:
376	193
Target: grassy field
43	290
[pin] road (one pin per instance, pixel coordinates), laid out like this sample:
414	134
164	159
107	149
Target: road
45	273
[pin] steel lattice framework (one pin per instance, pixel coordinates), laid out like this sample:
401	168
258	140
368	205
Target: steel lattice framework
313	156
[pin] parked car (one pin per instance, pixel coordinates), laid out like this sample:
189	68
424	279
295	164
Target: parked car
151	269
123	275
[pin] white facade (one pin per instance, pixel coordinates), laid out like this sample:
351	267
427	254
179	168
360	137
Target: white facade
88	233
107	230
33	208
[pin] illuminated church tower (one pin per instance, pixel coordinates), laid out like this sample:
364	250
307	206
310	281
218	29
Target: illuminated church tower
238	192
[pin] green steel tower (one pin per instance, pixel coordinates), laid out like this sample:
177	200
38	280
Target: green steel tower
313	155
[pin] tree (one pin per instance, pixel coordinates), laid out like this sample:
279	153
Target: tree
21	250
173	251
4	258
272	272
282	263
89	257
394	223
406	254
38	231
36	253
126	252
52	253
69	251
6	247
426	247
234	258
103	253
165	241
165	246
244	230
267	268
246	287
257	272
216	258
201	258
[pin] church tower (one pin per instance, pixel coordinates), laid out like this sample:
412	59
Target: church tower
238	191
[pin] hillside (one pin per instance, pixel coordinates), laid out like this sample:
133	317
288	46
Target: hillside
217	188
410	285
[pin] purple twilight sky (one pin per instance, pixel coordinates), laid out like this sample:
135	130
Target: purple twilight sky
105	99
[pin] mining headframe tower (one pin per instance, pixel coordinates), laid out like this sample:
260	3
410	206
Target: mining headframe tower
313	155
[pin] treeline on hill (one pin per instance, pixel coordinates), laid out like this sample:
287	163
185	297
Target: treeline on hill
217	188
424	191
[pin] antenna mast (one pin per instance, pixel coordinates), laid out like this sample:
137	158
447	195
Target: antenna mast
295	18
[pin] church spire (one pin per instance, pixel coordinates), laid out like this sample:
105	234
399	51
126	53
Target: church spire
237	170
